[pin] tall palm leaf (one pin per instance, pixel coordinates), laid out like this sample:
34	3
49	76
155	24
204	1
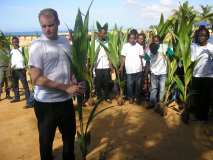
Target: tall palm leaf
182	45
81	51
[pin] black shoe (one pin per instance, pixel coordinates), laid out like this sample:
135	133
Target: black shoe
9	97
157	108
131	101
185	117
15	100
27	106
108	100
150	106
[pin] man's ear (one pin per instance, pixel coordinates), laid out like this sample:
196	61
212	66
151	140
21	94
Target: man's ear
58	22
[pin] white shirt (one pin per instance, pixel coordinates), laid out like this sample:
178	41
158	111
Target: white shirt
102	59
158	64
204	55
210	40
49	56
132	55
17	58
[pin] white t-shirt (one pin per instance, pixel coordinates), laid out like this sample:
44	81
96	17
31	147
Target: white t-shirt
210	40
102	59
49	56
204	55
132	55
17	58
158	64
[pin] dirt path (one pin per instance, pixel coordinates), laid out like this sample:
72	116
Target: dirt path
129	132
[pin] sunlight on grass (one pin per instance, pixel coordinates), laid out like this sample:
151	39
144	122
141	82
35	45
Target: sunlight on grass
207	155
153	141
172	119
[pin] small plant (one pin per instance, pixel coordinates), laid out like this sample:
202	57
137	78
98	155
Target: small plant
91	61
182	47
80	50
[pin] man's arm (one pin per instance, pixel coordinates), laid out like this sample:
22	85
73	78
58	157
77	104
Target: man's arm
141	59
122	63
39	79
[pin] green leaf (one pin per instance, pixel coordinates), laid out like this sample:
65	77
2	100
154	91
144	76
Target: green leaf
98	26
105	27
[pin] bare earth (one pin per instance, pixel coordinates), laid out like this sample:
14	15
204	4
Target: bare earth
127	132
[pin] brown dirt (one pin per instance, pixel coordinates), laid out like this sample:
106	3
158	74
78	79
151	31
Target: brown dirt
127	132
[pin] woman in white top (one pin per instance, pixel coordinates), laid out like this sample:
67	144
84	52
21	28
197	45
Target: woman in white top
202	82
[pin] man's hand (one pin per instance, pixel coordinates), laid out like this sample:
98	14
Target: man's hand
73	79
120	70
75	89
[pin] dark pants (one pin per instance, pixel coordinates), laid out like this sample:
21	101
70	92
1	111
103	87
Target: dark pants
103	83
202	96
5	80
134	85
157	88
145	85
53	115
20	74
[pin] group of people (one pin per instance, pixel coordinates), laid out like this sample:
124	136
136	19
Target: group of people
145	61
12	70
141	63
55	84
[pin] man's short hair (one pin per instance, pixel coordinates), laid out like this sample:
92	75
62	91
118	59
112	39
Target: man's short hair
158	37
132	32
142	34
49	12
15	37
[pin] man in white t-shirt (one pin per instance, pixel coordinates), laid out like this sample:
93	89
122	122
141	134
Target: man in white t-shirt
102	68
158	68
132	54
18	68
202	81
51	74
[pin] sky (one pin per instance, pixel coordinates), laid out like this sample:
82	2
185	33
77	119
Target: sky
22	15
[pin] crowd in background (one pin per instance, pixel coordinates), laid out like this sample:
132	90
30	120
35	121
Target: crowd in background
13	70
143	69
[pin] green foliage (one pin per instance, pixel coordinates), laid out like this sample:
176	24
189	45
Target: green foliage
182	47
26	55
206	13
80	46
163	27
180	29
91	59
99	27
84	55
84	135
4	48
170	81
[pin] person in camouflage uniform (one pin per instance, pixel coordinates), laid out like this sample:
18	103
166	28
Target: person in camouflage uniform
5	76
